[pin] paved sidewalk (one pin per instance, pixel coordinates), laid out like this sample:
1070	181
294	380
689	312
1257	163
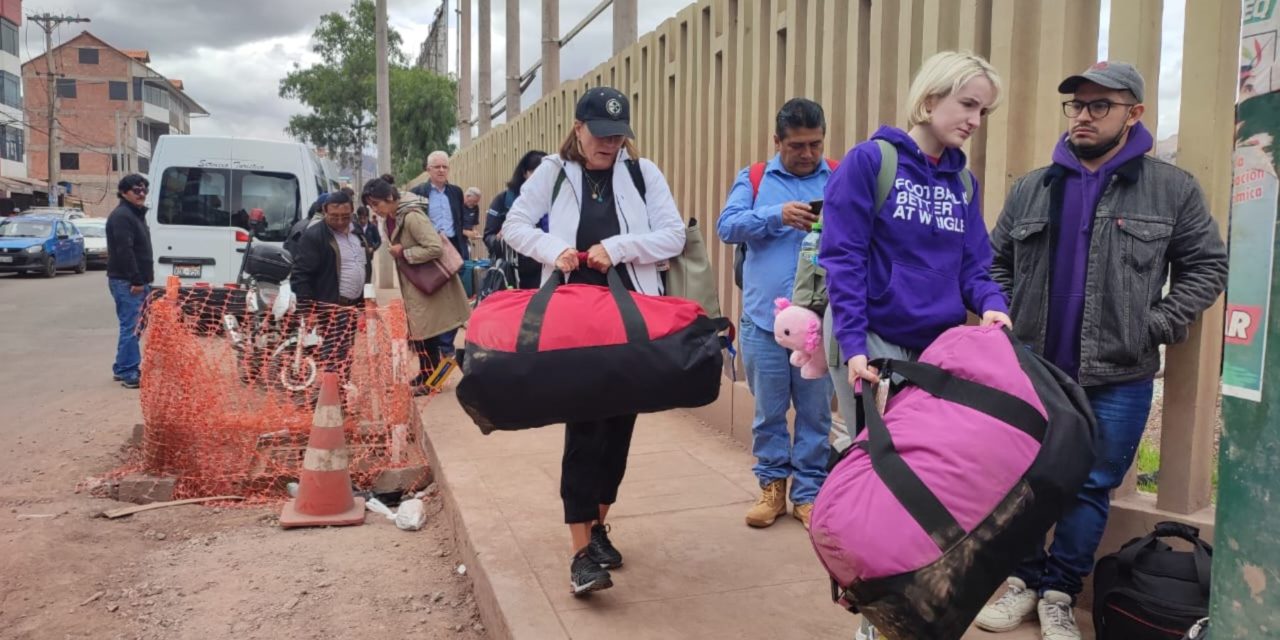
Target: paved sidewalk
693	568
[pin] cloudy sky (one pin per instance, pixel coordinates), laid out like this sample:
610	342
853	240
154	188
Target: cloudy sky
231	54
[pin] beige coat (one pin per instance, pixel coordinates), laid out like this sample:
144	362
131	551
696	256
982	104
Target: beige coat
447	308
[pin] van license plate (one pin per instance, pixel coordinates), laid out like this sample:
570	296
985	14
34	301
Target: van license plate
6	258
186	270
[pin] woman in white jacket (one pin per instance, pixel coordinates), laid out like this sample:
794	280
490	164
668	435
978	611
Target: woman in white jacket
600	198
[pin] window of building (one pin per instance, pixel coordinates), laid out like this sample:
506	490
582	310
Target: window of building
115	162
117	90
8	37
10	89
88	55
66	88
156	96
69	161
144	165
137	88
12	145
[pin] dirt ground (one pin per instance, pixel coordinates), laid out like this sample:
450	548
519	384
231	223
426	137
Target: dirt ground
181	572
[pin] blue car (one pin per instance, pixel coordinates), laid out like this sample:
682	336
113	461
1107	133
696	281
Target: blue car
40	244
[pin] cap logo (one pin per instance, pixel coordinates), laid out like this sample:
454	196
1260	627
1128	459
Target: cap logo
1098	66
613	106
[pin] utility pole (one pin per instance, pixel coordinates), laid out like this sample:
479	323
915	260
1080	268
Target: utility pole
48	23
464	72
384	92
486	69
550	46
624	24
513	59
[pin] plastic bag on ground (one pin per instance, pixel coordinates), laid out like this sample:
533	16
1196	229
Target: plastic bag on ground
411	515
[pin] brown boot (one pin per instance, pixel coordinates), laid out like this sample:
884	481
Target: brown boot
802	512
772	503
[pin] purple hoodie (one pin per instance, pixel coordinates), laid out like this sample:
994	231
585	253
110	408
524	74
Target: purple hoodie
1080	194
909	271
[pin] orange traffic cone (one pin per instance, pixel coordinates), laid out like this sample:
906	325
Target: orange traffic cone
324	491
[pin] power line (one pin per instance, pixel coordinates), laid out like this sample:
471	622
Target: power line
48	22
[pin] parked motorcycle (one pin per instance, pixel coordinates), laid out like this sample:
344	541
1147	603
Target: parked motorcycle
273	344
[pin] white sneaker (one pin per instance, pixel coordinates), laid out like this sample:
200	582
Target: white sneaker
867	631
1007	613
1057	620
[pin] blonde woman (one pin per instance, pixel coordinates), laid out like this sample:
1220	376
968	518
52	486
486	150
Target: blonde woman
905	265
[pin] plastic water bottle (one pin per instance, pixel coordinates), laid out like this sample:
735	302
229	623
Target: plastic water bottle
809	247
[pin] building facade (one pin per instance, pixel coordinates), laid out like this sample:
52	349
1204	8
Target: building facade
110	107
16	191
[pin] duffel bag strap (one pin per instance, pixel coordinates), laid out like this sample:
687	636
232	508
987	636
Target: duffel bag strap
1005	407
903	483
1201	552
534	314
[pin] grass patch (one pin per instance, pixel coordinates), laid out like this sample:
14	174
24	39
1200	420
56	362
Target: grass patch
1148	463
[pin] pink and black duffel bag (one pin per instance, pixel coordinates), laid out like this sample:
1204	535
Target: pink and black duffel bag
935	504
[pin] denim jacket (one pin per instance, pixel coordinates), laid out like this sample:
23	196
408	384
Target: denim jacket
1151	221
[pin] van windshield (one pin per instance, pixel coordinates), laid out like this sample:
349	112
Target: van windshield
227	198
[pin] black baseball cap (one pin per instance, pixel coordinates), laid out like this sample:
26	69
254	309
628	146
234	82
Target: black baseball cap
606	112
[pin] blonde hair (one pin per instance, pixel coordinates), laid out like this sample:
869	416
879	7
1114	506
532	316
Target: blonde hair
943	74
571	150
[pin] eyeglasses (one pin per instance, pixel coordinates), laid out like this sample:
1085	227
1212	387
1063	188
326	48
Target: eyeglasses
139	190
1098	109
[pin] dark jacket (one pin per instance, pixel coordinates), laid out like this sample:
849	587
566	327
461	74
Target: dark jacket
316	262
530	272
129	245
1151	220
372	238
454	193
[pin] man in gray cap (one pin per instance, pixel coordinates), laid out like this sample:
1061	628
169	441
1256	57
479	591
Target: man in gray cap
1083	249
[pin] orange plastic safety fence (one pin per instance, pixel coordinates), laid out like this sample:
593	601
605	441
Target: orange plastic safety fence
228	389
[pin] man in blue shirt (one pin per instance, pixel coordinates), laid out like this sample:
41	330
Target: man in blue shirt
444	201
773	222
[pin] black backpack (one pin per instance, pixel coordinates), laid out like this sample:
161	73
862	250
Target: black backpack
1148	591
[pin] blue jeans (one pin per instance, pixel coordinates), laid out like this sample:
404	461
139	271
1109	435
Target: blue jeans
128	311
776	385
1121	410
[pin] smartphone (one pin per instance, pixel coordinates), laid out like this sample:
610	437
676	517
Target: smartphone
816	205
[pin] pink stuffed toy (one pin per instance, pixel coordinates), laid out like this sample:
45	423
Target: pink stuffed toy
800	330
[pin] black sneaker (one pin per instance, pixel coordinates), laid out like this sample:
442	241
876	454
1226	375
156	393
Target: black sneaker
602	550
586	575
132	383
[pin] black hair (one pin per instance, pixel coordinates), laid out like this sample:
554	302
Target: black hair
362	211
130	181
380	189
337	197
528	162
351	193
387	178
800	113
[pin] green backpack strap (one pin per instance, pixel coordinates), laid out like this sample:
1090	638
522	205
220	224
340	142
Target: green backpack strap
966	177
888	171
555	191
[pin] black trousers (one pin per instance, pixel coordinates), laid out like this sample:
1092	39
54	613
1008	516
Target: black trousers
595	459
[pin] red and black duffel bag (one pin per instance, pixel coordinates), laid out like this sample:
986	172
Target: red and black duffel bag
573	353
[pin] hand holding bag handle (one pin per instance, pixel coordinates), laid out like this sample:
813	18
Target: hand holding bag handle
531	324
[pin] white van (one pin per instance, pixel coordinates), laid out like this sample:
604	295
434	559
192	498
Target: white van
204	191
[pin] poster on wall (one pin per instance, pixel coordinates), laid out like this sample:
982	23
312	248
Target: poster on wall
1255	191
